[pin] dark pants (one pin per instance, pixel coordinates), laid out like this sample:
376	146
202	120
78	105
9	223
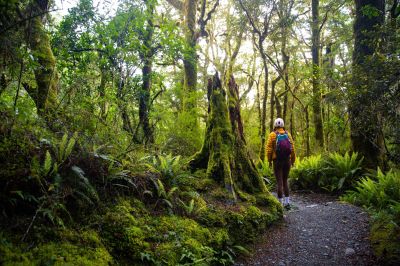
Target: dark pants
281	171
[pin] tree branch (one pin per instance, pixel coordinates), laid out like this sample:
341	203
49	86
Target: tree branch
253	25
176	4
203	22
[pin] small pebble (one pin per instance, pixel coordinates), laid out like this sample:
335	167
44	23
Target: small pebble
349	251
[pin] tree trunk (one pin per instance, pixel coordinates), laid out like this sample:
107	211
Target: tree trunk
45	94
190	55
366	136
273	99
285	70
316	102
264	104
328	64
308	150
278	107
145	131
224	153
258	104
102	92
292	125
3	83
234	109
122	106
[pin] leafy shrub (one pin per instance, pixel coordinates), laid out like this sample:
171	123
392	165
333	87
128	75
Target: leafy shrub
341	171
380	194
170	168
307	172
332	173
377	192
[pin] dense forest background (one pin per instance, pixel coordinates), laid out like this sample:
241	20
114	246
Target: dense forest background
123	98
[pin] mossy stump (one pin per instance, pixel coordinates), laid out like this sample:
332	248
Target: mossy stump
224	153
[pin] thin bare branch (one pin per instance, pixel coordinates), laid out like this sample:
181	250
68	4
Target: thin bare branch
176	4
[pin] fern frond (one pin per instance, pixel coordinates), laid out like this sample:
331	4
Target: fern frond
47	163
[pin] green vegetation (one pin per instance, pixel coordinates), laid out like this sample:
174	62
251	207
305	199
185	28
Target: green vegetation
331	173
379	193
134	131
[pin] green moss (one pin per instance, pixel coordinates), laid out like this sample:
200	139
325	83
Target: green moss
10	255
385	239
183	240
85	248
69	254
270	202
123	233
183	228
168	252
213	217
246	197
250	222
45	95
220	237
220	193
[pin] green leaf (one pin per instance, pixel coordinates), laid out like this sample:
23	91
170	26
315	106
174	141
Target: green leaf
61	148
70	146
47	163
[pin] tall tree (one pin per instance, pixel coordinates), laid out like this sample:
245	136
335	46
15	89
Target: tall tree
44	93
316	84
366	131
188	9
261	30
146	56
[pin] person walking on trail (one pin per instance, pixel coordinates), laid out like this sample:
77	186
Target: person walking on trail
280	152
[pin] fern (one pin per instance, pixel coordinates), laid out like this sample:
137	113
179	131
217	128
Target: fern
168	167
85	184
47	164
378	193
61	148
70	146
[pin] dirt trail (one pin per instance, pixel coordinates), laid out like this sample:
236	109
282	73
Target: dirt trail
319	230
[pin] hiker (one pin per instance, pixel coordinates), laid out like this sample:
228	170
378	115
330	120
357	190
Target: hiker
280	151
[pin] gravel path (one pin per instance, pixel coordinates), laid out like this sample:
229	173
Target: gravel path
319	230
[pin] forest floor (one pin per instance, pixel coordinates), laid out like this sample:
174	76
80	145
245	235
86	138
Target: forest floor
318	230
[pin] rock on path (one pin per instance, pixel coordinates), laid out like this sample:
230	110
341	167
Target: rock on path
319	230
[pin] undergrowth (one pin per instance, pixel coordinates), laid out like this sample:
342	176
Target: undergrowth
66	200
379	193
332	173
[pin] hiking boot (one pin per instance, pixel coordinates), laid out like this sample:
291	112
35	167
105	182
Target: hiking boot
287	207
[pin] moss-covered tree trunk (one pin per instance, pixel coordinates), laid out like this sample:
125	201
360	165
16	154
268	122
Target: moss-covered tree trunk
190	55
224	153
146	132
45	92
